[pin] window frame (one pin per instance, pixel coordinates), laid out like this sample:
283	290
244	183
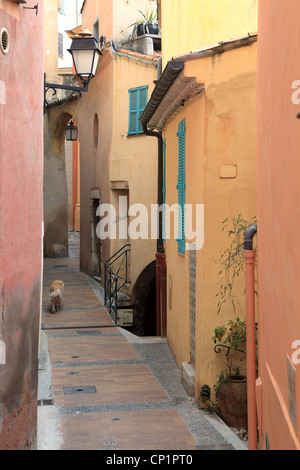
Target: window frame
138	110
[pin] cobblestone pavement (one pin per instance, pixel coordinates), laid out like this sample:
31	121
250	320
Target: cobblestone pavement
102	388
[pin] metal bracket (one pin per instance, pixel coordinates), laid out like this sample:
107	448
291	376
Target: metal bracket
218	349
54	86
36	7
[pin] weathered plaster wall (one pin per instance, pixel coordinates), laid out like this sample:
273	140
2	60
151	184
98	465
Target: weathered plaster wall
278	172
55	181
216	134
95	118
21	216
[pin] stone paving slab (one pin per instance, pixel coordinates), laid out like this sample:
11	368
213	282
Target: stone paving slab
89	349
66	318
108	392
74	297
112	384
138	430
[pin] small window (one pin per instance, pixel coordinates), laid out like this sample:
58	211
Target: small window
61	6
96	30
138	98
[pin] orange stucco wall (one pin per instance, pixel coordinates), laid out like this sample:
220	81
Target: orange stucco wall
278	169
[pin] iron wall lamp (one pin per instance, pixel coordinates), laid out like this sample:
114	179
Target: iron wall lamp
71	131
85	54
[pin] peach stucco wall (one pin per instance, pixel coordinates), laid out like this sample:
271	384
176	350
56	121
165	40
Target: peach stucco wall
278	169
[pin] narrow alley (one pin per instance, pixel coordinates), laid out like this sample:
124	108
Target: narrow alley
102	388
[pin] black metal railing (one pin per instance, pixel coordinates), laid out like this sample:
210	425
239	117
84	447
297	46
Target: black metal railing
116	276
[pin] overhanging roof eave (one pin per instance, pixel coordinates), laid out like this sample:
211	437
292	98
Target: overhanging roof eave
169	75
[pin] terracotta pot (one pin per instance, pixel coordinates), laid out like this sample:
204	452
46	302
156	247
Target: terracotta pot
232	399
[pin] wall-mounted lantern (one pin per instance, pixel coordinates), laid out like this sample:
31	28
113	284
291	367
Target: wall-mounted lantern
71	131
85	53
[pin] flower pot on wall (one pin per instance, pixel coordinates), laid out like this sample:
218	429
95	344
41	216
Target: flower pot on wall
147	28
232	399
140	29
151	28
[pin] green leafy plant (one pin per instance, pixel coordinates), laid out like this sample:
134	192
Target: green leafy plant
234	333
232	261
149	17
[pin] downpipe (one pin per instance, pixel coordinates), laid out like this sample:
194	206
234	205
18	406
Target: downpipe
161	312
249	256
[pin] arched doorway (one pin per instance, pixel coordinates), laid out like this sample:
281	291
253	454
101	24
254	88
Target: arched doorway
96	244
144	302
58	183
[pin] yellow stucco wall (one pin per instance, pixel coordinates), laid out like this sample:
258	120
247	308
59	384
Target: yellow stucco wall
50	40
133	158
117	158
193	24
220	130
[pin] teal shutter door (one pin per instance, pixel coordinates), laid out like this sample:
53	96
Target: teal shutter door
181	186
138	98
133	111
142	105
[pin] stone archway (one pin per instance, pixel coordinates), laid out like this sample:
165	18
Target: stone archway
55	182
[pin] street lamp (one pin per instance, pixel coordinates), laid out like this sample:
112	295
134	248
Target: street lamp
71	131
85	53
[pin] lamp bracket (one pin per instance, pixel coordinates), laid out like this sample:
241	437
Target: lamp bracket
36	7
75	91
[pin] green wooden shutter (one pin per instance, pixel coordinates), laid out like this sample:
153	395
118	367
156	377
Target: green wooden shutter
133	111
181	186
138	98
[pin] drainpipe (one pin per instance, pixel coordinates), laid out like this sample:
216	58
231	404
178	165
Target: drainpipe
165	81
249	255
160	257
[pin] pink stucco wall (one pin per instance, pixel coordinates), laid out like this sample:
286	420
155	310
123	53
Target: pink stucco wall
278	170
21	215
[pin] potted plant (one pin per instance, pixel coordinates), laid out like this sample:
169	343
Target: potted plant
231	388
147	25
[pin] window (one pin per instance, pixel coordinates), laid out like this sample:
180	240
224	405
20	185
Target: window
61	6
96	30
181	186
138	98
60	45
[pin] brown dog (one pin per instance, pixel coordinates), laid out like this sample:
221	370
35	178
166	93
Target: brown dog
56	294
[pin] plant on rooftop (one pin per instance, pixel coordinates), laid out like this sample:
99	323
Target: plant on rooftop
146	25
